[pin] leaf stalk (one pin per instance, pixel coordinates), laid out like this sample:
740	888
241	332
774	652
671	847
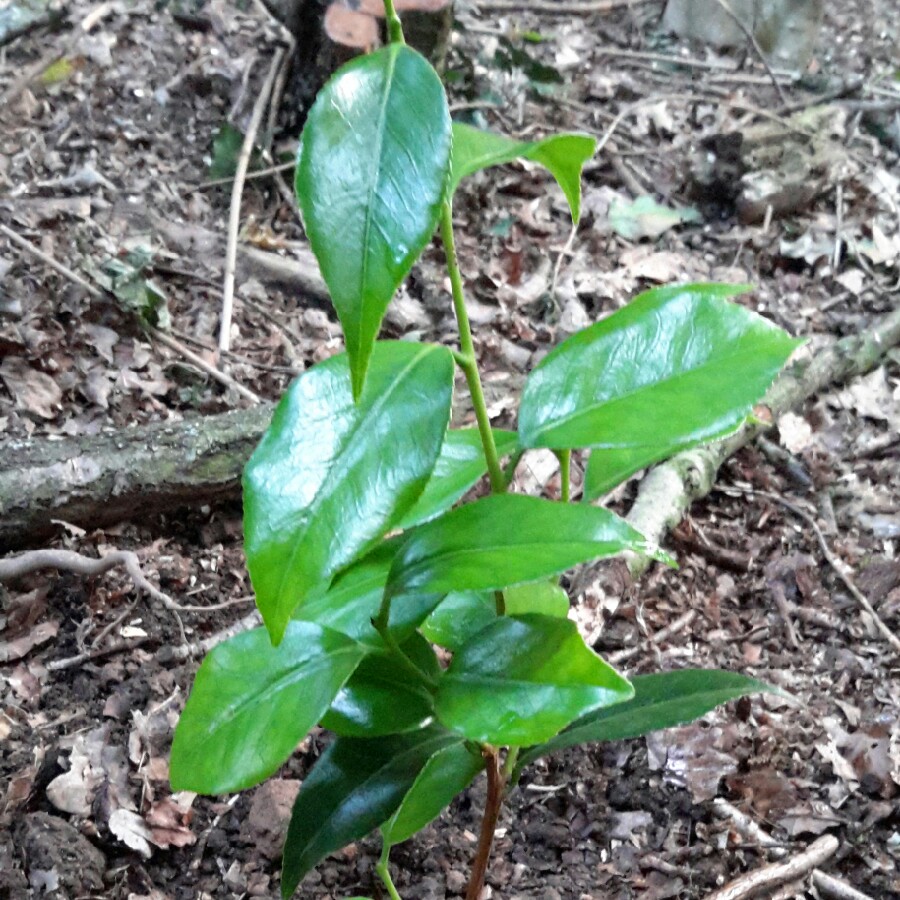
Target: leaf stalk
379	623
384	873
565	470
395	29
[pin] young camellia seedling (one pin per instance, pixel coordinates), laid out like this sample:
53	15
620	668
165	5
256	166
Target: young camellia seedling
361	558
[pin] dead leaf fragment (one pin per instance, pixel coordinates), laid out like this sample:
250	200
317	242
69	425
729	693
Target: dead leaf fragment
73	791
22	646
350	28
795	432
871	396
645	218
132	831
34	392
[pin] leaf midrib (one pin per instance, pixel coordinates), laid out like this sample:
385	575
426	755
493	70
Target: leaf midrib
279	683
497	682
445	739
328	487
482	550
567	419
393	56
719	695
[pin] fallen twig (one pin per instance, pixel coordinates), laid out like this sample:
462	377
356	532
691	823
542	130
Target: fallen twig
204	838
687	99
203	365
655	639
829	886
255	173
14	567
199	648
237	192
552	8
70	662
98	294
755	883
749	829
751	39
832	561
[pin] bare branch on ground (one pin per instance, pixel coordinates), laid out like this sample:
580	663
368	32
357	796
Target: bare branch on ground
237	193
761	882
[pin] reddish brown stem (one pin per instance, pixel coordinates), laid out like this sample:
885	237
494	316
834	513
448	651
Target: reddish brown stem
496	782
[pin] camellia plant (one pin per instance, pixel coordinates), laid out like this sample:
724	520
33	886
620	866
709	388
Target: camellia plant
361	557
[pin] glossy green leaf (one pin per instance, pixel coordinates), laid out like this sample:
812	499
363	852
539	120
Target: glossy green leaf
545	598
457	469
354	599
507	539
355	786
331	476
459	616
252	703
523	677
661	700
448	773
675	367
563	155
381	697
371	173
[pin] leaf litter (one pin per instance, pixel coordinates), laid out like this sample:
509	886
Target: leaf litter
84	771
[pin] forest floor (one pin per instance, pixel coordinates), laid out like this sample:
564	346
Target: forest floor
105	146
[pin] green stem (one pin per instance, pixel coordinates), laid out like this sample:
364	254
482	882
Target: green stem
509	764
512	464
565	468
384	872
395	29
466	359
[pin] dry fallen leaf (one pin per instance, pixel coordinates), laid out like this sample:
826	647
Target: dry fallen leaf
73	791
34	392
645	218
132	831
794	431
22	646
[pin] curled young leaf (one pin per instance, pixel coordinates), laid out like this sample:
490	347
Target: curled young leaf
543	597
371	174
458	617
459	466
448	773
507	539
563	155
355	786
382	697
354	599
